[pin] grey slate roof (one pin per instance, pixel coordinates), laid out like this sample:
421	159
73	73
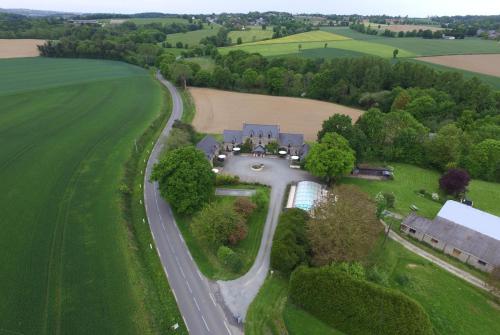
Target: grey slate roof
293	140
260	129
231	136
472	242
208	145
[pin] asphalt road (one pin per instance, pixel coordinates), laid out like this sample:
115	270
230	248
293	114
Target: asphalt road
201	312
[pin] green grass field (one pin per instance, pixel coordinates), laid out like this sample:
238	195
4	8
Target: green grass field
312	44
251	34
206	62
192	38
408	179
69	265
247	249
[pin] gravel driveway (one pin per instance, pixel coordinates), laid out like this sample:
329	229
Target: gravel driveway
239	293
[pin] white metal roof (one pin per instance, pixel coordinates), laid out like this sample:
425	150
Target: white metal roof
472	218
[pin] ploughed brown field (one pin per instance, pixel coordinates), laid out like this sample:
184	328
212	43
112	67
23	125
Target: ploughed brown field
19	48
406	27
217	110
486	64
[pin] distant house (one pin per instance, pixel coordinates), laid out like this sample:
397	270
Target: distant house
210	147
86	22
466	233
260	135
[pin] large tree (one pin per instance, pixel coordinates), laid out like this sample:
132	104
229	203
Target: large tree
454	182
186	179
331	158
337	123
484	160
344	227
181	73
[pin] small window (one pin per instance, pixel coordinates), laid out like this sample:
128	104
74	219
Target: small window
433	240
413	231
483	263
456	252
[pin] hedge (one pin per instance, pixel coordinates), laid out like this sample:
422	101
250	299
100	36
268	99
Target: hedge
355	306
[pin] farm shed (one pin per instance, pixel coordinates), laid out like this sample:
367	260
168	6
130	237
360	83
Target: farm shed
466	233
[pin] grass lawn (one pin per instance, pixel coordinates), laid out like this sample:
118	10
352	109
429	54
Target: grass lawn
299	322
310	36
206	63
454	306
206	258
189	108
408	179
70	264
251	34
192	38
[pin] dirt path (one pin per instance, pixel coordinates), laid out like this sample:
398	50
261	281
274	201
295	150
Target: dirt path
217	110
487	64
19	48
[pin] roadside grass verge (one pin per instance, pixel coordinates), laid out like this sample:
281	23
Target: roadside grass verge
161	302
189	108
247	249
409	179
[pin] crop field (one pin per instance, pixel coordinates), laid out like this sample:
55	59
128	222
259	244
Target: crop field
423	47
19	48
312	43
311	36
486	64
251	34
192	38
68	262
217	110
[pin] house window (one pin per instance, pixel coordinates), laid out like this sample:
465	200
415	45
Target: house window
433	240
456	252
413	231
483	263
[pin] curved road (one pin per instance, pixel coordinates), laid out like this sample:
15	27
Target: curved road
201	313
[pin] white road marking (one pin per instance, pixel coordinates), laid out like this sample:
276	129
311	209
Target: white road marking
175	296
227	328
212	297
182	272
185	324
196	303
189	288
206	326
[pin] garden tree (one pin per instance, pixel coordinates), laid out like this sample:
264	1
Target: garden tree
401	101
272	147
371	123
239	40
244	206
454	182
185	179
484	160
178	138
290	246
337	123
331	158
218	224
445	149
229	258
181	73
343	227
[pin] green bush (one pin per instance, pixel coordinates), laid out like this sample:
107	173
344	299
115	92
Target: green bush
260	198
229	258
290	247
226	179
378	276
390	199
355	306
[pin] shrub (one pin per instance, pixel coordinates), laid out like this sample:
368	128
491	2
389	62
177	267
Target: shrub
261	198
290	246
355	306
244	207
225	179
378	276
454	182
218	224
390	199
229	259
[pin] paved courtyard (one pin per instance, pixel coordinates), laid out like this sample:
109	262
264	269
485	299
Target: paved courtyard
239	293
